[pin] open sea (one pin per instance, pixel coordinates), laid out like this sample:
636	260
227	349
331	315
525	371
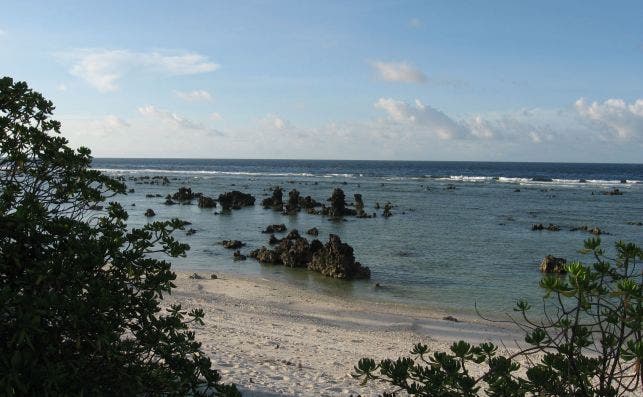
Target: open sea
460	233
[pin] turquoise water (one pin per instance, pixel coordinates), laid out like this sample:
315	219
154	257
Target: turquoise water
444	248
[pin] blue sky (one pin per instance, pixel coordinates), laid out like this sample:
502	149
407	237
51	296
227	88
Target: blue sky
468	80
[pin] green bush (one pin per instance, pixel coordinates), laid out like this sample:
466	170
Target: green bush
586	343
80	295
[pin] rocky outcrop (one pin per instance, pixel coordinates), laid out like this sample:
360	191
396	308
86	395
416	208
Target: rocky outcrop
292	205
184	194
309	204
265	255
313	232
236	200
337	207
539	226
150	212
237	256
336	260
593	230
291	251
551	264
276	228
613	192
232	244
387	210
207	202
275	201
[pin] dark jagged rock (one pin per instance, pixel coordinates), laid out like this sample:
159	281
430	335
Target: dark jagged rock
150	212
387	210
594	230
551	264
236	199
613	192
190	232
623	180
359	206
276	228
149	196
450	318
196	276
309	204
213	276
237	256
337	207
274	240
232	244
539	226
185	194
168	201
336	260
292	251
313	232
207	202
292	205
276	201
131	191
265	255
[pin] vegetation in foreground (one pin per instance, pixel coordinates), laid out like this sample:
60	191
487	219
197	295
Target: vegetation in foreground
81	297
586	343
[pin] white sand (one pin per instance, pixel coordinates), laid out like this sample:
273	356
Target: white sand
273	339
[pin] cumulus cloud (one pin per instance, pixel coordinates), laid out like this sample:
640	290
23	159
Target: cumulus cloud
194	96
415	23
103	68
622	120
420	116
174	120
398	72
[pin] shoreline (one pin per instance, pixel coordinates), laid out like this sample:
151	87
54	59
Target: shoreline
274	339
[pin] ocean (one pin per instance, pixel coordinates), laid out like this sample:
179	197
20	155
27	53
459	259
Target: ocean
460	234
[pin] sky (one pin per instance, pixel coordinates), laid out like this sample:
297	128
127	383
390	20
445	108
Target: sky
400	80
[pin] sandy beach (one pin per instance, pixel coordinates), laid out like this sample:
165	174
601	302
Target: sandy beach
273	339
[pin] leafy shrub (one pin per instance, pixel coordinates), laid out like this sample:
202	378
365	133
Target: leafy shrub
80	310
586	343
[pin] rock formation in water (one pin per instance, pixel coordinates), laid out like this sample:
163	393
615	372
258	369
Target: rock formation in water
236	200
336	260
551	264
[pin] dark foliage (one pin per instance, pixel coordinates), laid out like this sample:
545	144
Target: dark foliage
81	296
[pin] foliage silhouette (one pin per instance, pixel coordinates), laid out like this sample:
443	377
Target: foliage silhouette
81	293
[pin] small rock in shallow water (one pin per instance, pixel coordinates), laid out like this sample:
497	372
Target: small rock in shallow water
213	277
196	276
149	212
451	318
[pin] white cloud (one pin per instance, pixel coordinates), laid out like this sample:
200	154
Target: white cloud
193	96
398	72
61	87
415	23
420	116
103	68
174	120
216	117
622	120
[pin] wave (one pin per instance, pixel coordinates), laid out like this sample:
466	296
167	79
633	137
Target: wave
536	180
199	172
